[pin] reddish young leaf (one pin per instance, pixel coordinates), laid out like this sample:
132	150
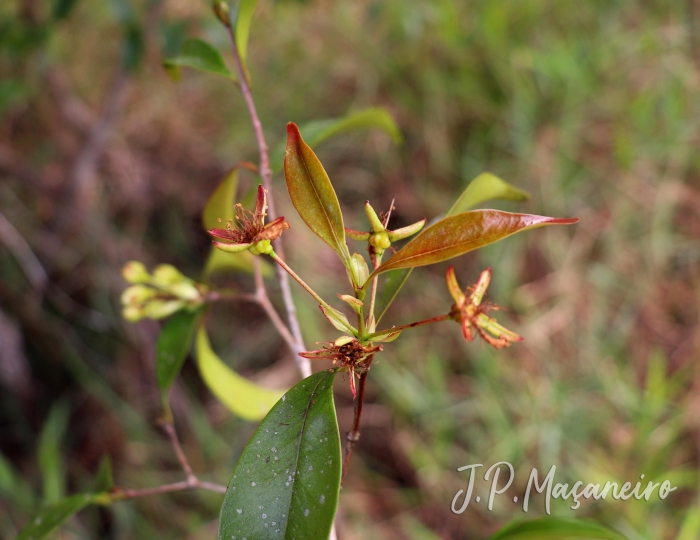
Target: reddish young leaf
312	193
458	234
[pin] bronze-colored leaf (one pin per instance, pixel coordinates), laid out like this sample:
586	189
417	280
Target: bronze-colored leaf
458	234
312	193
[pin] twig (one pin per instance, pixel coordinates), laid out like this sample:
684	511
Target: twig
354	433
177	447
264	301
119	494
266	174
19	247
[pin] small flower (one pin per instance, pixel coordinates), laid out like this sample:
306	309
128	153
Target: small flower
348	353
379	237
250	232
472	313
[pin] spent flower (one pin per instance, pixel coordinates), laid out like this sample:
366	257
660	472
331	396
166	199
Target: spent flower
471	312
348	353
249	232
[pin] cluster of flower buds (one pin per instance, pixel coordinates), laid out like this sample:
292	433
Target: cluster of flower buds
379	238
470	311
158	295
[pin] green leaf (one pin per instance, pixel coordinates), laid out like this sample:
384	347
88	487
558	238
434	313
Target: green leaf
62	8
485	187
49	451
219	207
461	233
174	343
319	131
220	261
198	54
312	193
133	46
241	396
556	529
104	479
287	480
49	518
246	10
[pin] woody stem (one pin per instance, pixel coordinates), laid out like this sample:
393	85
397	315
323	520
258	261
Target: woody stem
354	434
266	174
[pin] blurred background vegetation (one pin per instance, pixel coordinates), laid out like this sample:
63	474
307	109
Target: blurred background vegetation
590	106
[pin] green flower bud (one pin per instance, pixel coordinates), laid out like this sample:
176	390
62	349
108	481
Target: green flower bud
159	309
186	291
133	313
222	12
137	295
359	272
377	225
135	272
167	274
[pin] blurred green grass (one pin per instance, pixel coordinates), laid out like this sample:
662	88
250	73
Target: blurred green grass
590	106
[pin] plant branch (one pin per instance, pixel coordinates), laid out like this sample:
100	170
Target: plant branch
177	447
263	299
122	494
266	174
354	434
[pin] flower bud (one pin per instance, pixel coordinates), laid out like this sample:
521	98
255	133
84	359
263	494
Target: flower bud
222	12
133	313
135	272
358	269
137	295
167	274
186	291
377	225
159	309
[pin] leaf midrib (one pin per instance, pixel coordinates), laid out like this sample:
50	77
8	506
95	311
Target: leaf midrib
296	461
318	199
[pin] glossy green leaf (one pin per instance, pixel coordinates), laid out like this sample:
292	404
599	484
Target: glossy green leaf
461	233
49	518
313	195
552	528
485	187
246	10
241	396
173	344
219	207
198	54
287	481
318	131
